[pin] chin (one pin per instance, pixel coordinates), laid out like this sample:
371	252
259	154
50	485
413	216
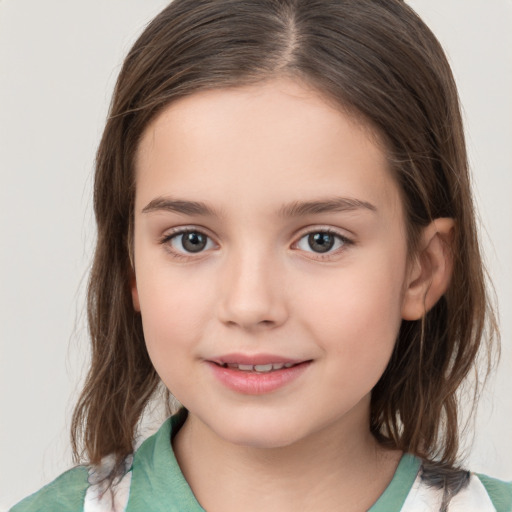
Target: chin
264	433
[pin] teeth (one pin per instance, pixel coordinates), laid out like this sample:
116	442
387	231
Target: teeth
261	368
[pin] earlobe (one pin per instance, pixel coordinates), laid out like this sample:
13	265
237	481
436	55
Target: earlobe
135	293
430	274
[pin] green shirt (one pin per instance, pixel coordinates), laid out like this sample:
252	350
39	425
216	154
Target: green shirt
154	483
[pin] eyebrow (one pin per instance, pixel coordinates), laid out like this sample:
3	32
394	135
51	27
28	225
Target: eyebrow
180	206
294	209
334	204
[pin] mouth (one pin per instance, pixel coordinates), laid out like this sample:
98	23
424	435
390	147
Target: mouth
257	368
257	375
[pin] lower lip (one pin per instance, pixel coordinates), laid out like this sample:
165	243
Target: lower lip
254	383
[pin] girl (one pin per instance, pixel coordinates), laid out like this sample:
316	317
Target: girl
286	242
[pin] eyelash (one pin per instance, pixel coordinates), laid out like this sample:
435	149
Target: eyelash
345	242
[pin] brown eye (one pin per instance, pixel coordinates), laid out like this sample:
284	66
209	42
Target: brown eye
193	242
189	242
321	242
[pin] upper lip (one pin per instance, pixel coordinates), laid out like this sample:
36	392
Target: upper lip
254	359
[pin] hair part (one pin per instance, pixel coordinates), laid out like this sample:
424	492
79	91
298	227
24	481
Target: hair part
376	60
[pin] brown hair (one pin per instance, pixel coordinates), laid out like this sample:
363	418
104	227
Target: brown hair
376	59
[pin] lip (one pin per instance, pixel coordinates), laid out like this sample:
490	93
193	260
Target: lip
254	359
254	383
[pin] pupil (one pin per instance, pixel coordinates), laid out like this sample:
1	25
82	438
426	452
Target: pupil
193	242
321	242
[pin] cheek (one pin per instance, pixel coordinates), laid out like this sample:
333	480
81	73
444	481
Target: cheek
174	312
360	312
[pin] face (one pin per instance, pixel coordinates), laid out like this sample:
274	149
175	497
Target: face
270	261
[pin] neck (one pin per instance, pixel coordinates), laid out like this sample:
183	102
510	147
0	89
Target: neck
342	463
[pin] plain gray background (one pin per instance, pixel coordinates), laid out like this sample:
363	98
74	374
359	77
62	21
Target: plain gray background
58	63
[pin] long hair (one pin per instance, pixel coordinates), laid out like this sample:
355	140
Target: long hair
375	59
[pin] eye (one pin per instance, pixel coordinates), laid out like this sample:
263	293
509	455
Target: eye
321	242
190	241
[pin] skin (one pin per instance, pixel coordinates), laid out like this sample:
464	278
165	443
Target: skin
259	287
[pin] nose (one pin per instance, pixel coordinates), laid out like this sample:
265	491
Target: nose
252	294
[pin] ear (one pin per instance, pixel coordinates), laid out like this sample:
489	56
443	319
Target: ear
135	292
429	275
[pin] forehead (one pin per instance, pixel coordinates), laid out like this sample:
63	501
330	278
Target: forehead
273	142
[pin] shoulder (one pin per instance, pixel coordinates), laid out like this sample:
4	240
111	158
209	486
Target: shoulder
85	488
439	489
65	494
82	489
499	492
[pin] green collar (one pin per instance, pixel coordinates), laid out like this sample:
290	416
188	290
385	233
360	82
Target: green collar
170	491
396	492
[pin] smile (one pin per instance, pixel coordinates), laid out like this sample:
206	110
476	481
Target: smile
260	368
257	375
